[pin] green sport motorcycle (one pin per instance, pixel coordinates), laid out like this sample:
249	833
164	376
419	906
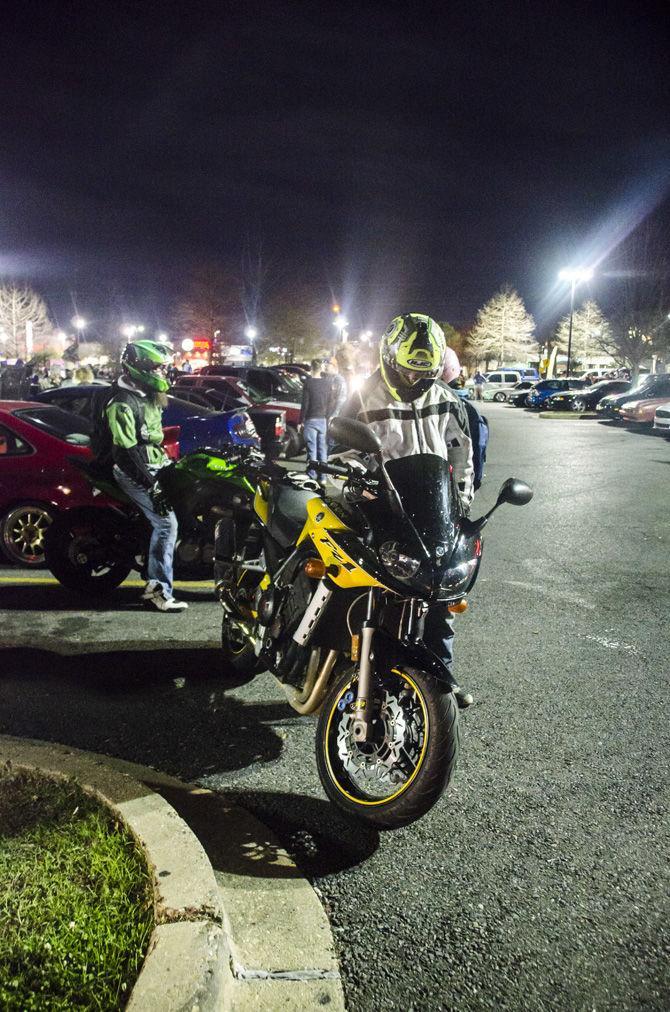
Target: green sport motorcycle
92	549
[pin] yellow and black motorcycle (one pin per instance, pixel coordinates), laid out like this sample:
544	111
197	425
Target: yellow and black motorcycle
331	595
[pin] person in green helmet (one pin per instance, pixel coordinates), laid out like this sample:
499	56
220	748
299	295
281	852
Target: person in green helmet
412	411
134	414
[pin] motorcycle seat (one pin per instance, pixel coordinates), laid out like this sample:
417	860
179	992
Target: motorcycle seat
288	512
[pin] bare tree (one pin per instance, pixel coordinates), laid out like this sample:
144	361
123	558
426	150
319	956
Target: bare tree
590	331
24	321
210	307
294	320
642	278
503	330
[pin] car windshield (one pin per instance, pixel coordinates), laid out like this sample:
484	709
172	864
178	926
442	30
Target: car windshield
55	421
289	383
183	409
252	392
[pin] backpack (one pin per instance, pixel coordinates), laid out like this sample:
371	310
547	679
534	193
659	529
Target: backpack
479	434
101	436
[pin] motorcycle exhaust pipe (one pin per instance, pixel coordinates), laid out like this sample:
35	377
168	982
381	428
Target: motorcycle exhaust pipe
319	689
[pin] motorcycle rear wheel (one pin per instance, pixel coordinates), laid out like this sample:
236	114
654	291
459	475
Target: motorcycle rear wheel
60	557
394	780
238	653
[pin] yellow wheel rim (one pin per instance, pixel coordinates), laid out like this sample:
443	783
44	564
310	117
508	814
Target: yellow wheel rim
401	790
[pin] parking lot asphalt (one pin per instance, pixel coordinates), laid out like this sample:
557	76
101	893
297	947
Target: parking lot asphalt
541	881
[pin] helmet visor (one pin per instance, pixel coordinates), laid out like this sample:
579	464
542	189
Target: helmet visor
410	377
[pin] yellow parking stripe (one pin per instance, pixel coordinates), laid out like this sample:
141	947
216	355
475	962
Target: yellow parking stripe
51	581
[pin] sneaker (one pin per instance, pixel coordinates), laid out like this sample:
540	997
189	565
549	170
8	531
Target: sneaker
463	698
152	587
162	602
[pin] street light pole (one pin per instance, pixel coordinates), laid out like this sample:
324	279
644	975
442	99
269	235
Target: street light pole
574	276
572	312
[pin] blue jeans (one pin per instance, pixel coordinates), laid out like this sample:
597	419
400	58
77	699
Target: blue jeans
438	634
315	436
163	532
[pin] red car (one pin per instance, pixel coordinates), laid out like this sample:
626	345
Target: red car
37	479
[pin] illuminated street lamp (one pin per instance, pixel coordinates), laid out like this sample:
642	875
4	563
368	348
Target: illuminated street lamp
251	333
341	323
130	330
574	275
80	325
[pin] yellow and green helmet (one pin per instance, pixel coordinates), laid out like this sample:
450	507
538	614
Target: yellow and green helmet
146	363
411	355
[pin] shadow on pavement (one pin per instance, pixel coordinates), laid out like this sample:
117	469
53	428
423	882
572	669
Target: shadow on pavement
41	597
166	709
310	830
319	839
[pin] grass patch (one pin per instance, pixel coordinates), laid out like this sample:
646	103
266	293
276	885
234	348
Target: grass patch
76	904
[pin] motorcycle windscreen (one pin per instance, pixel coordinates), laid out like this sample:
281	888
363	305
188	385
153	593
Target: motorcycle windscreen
425	485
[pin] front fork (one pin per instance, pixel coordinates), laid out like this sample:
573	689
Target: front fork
411	628
362	719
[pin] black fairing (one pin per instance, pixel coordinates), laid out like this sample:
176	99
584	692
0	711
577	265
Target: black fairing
427	490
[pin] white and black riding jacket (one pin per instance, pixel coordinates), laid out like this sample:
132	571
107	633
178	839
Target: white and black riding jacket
436	422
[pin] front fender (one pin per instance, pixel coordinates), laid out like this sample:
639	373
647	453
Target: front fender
414	653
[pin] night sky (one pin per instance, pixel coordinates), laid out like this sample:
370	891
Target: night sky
401	158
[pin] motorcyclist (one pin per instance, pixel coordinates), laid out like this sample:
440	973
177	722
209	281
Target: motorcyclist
134	413
413	411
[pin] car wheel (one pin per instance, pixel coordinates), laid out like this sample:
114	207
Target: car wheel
22	533
578	404
294	442
500	396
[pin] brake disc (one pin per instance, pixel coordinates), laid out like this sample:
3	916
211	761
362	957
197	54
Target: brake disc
378	767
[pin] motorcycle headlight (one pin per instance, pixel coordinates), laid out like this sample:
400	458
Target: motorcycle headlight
459	577
396	560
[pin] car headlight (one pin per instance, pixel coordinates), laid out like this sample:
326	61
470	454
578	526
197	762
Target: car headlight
396	560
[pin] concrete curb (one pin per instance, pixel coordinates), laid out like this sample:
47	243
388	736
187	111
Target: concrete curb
238	927
567	415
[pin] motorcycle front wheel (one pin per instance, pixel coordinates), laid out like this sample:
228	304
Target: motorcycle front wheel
399	774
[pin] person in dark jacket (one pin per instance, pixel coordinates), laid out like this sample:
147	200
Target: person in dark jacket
315	410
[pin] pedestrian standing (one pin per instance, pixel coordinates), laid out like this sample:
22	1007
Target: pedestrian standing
479	381
315	410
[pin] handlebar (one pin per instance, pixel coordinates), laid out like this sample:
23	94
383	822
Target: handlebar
320	465
350	474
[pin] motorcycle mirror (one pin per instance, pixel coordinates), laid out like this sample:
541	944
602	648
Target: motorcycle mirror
515	492
354	435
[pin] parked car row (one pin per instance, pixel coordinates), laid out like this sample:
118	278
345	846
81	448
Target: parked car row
646	402
258	391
